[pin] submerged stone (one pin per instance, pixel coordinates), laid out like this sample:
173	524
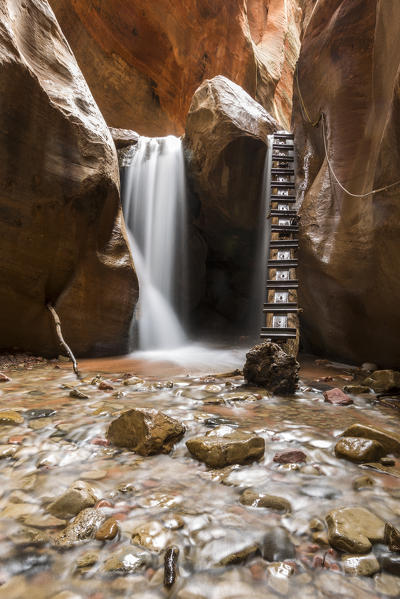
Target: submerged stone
277	545
10	417
223	447
78	497
290	456
83	527
383	381
359	450
274	502
145	431
267	365
354	529
127	561
337	397
108	530
389	440
360	565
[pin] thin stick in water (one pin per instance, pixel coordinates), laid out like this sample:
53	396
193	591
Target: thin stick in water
57	322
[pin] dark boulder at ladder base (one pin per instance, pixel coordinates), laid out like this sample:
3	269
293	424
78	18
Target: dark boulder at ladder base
267	365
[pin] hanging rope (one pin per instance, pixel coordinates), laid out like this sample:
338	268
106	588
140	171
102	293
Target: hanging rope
315	123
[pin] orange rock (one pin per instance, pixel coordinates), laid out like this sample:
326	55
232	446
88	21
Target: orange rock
144	60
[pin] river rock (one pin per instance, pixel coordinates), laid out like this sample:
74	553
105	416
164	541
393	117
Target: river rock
145	431
63	206
10	417
7	451
337	397
356	389
389	440
108	530
277	545
392	537
253	499
4	378
78	394
152	536
127	561
88	559
267	365
359	450
363	482
354	529
387	585
383	381
290	456
36	413
78	497
360	565
278	574
83	527
224	446
390	562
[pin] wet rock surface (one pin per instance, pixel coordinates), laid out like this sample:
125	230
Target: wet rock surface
269	366
78	497
223	447
354	529
389	440
145	505
145	431
359	450
383	381
337	397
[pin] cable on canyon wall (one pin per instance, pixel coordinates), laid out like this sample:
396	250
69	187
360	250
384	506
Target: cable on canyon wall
61	339
315	123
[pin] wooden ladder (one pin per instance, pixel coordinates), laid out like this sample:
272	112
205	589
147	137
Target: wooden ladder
280	311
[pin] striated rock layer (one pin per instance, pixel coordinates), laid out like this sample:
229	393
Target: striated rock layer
350	247
62	239
144	60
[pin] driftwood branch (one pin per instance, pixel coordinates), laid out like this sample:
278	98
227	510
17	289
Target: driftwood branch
61	339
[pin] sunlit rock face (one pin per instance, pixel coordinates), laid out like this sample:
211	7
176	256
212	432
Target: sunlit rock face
350	247
61	235
226	143
144	60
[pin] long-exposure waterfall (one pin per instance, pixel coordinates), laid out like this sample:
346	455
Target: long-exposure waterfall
154	207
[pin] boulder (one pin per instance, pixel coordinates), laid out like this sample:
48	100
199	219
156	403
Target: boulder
388	439
78	497
254	499
383	381
359	450
225	145
349	250
145	431
224	446
354	529
144	60
356	389
392	537
62	239
267	365
337	397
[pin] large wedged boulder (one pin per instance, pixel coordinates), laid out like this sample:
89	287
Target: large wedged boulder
62	239
349	256
267	365
144	60
226	143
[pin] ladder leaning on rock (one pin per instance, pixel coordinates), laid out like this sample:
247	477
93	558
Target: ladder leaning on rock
280	312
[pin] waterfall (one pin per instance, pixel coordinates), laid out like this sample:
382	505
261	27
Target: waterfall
153	202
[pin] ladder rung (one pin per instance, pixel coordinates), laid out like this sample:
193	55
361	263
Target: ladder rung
288	307
282	158
282	171
284	134
282	284
280	184
284	228
284	243
289	147
277	198
279	263
271	333
283	213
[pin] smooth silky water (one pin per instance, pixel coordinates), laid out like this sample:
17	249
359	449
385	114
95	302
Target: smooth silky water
54	451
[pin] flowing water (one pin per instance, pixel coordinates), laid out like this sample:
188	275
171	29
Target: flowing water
174	498
154	205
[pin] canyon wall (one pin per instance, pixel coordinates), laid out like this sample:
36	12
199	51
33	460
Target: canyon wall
144	60
350	248
62	239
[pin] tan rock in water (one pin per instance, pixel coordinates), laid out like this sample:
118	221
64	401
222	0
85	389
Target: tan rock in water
145	431
78	497
388	439
354	529
10	417
249	497
83	527
359	450
360	565
382	381
223	446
